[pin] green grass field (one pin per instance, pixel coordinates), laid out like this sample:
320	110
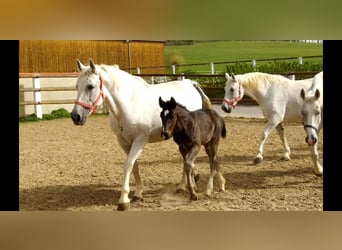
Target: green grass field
227	51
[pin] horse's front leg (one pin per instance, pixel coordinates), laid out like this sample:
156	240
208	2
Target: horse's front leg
138	184
287	151
271	124
132	157
189	170
318	169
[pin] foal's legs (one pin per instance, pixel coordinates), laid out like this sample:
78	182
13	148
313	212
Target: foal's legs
183	183
189	160
211	150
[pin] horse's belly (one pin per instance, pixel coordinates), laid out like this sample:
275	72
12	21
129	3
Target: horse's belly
291	116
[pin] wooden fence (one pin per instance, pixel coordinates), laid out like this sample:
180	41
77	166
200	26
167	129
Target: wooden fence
44	92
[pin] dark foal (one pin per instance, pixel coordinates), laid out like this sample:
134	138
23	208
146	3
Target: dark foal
190	130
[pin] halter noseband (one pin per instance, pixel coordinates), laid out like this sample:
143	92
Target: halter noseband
311	126
235	100
93	106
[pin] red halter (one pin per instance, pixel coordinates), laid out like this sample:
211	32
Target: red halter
235	100
93	107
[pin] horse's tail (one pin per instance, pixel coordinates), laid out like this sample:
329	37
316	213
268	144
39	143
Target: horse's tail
206	103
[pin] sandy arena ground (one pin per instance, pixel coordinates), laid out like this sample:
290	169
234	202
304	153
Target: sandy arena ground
68	167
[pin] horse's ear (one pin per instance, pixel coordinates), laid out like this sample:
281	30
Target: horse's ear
92	65
161	102
173	101
317	93
302	93
229	77
80	66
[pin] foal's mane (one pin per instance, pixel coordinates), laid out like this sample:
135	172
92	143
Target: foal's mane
182	106
256	80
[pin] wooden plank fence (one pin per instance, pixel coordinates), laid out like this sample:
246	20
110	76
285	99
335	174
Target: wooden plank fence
67	101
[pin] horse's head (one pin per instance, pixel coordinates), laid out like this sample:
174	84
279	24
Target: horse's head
89	92
311	116
233	93
168	117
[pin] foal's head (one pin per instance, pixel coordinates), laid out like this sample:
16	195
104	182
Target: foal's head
168	116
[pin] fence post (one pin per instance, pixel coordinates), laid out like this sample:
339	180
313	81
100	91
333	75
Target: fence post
37	97
300	60
173	69
212	68
254	63
292	77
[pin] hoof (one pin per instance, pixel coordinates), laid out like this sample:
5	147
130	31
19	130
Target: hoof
193	197
123	206
257	160
137	199
180	191
285	158
318	174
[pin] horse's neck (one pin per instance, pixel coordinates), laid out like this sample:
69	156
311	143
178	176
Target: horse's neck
251	86
182	118
123	89
115	96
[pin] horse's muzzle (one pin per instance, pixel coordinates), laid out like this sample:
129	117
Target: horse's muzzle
77	118
166	135
311	140
226	108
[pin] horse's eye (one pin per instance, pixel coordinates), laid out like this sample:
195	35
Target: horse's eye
231	89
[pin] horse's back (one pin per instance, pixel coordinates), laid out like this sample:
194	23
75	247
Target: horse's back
209	119
182	90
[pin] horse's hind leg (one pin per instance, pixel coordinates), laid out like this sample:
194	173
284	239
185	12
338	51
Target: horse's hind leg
211	151
281	132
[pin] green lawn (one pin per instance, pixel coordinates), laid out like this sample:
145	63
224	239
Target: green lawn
226	51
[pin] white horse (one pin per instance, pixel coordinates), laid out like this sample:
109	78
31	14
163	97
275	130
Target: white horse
278	98
312	111
134	112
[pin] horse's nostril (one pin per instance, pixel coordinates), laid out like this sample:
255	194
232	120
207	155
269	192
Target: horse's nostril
166	135
76	118
225	109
